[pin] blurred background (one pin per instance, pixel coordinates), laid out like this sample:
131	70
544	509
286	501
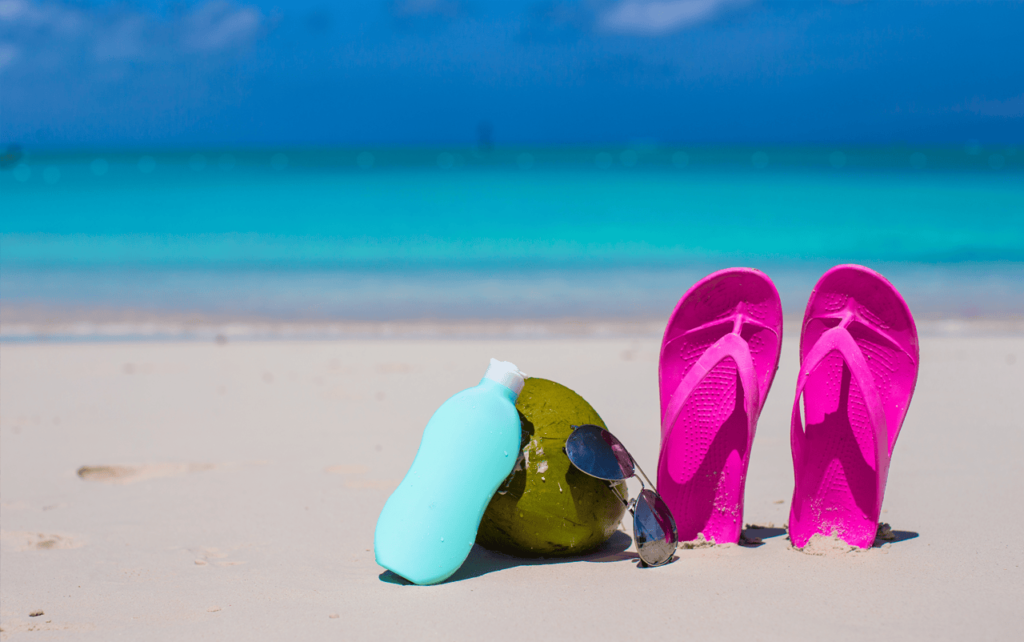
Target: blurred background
180	168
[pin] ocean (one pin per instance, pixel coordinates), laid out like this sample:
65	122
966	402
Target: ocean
393	235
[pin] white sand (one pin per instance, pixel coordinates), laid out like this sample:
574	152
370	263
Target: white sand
234	489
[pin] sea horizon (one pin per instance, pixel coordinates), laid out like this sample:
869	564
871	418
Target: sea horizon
492	235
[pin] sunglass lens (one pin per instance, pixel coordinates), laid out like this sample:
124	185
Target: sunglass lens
654	529
598	453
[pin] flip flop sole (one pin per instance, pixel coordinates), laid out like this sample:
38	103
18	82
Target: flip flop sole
859	364
718	359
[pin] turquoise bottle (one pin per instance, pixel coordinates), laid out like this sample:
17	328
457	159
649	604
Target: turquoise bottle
469	447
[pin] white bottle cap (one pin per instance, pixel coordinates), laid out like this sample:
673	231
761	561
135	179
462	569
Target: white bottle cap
507	374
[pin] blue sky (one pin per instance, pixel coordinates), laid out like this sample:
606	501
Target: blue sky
428	72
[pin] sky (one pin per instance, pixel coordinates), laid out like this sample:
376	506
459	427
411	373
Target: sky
223	73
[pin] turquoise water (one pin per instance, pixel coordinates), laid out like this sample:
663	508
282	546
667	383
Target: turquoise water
383	234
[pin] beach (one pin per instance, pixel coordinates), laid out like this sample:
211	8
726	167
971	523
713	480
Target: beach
220	489
249	248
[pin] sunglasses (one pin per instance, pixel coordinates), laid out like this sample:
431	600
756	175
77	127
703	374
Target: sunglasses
596	452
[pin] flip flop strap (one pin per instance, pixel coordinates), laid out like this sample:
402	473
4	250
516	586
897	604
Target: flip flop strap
730	345
839	339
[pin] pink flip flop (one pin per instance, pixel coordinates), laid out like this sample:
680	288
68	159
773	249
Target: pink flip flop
858	367
718	359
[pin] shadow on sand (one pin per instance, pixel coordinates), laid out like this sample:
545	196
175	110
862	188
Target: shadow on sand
888	536
482	561
753	535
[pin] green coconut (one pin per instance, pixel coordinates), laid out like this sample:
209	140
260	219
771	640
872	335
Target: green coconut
547	507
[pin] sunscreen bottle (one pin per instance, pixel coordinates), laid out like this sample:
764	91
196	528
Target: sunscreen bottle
469	447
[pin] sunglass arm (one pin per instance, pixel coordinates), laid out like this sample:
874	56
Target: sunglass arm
644	475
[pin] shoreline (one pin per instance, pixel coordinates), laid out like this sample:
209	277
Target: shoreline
265	303
112	327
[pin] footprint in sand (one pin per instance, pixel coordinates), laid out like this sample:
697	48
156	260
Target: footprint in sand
132	474
26	506
212	556
23	626
29	541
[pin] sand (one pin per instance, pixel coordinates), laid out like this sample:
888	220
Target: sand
201	490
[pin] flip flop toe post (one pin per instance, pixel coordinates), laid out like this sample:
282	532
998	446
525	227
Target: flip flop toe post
718	359
858	368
